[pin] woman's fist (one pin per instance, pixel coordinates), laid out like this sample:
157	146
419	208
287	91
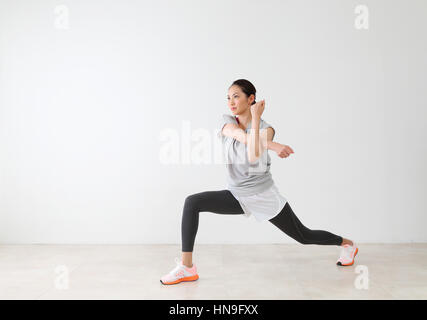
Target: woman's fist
258	108
284	151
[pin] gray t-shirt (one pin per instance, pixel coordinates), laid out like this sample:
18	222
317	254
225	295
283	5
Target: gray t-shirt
244	178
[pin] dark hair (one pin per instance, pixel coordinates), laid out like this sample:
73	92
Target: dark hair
247	87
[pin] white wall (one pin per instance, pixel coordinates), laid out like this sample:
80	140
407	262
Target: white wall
83	106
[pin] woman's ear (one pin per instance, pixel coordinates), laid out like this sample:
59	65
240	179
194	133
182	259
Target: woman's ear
251	99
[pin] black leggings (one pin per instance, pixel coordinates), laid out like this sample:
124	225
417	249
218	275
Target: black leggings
223	202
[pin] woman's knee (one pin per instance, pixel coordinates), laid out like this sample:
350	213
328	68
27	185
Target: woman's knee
193	201
305	236
303	240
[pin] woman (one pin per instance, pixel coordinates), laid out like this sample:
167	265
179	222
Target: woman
251	189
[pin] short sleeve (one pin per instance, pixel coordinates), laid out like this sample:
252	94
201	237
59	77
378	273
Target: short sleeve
225	119
266	125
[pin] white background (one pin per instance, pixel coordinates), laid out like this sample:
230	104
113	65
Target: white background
82	110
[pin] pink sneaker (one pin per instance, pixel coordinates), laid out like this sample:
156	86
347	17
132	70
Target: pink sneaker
347	255
180	273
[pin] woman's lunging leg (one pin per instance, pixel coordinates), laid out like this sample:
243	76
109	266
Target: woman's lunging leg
288	222
220	202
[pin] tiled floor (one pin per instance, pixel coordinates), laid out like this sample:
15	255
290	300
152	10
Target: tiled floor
280	271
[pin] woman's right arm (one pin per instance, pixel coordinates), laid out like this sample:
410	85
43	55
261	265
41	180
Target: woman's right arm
234	131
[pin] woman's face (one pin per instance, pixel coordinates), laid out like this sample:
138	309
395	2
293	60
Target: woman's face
237	100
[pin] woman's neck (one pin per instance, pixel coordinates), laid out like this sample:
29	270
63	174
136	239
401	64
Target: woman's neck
245	118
